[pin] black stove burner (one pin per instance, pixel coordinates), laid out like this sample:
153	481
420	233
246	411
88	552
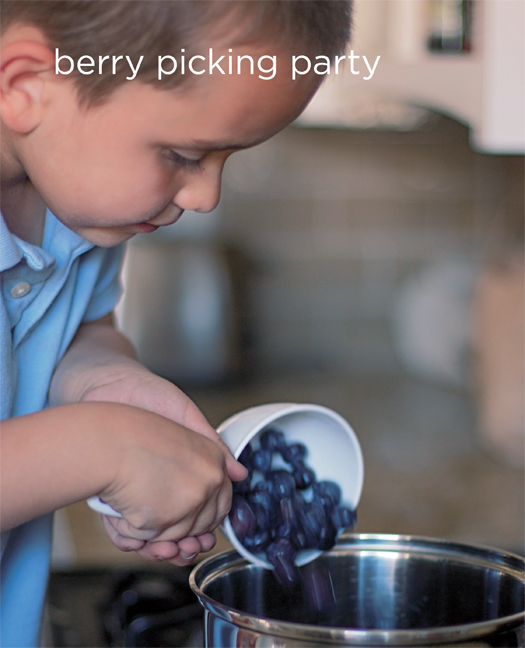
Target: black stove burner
151	609
139	607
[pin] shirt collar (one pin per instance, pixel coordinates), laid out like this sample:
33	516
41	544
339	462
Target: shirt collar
10	253
13	249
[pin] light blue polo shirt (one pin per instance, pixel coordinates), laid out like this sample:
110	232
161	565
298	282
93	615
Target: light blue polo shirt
47	293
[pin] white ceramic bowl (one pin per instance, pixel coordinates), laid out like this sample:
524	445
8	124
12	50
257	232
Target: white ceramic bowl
333	453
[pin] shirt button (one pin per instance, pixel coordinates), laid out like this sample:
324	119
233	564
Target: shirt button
20	290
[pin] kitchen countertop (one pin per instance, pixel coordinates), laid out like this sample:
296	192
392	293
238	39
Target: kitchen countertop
425	470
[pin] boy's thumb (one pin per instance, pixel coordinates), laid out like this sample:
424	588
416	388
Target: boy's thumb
236	471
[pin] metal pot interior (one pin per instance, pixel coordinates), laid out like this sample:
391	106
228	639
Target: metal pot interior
369	583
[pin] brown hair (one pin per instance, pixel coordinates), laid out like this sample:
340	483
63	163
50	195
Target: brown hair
162	27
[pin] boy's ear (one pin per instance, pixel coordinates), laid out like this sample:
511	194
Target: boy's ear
22	65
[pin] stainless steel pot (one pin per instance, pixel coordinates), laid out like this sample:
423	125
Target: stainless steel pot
369	590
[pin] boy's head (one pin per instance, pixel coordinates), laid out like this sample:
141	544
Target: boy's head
113	157
153	28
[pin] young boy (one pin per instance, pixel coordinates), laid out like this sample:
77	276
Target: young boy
89	159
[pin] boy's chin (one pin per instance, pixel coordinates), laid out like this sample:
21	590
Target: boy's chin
106	237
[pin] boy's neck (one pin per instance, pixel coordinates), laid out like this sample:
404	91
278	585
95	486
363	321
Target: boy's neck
24	212
22	207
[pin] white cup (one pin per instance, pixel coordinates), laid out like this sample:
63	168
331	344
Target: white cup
334	453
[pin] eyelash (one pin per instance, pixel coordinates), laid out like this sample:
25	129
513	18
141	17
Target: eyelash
185	163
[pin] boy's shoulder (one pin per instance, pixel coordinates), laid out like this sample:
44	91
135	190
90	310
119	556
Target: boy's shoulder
48	294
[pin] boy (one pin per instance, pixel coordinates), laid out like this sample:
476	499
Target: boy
88	161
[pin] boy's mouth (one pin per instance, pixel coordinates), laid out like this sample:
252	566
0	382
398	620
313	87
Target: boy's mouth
145	228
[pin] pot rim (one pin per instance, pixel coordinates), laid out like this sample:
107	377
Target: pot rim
509	563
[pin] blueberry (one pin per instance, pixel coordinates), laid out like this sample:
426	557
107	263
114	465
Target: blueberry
272	440
287	510
263	517
294	453
327	536
302	538
272	515
260	497
307	530
325	502
317	514
262	460
282	484
281	555
261	487
242	518
263	506
258	541
299	539
287	518
284	530
317	587
243	486
328	490
246	457
304	477
343	517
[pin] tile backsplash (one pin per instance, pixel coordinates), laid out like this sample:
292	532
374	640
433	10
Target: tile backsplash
334	222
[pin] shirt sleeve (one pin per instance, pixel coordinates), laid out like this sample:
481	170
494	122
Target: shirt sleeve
108	289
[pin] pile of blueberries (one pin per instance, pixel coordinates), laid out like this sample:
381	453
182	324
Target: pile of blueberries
272	515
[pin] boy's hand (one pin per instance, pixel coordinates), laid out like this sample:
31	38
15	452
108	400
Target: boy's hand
133	384
143	389
171	487
177	553
100	366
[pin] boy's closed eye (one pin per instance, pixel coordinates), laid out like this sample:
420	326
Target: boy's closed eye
185	163
192	161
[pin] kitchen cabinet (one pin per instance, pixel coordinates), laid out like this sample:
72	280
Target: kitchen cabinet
484	87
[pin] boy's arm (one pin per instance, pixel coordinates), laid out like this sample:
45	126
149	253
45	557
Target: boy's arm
100	365
167	481
52	458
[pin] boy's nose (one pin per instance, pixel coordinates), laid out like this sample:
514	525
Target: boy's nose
200	192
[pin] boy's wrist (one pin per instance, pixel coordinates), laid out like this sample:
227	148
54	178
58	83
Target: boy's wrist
69	453
79	383
98	354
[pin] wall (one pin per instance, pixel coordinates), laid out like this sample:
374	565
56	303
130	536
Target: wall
335	221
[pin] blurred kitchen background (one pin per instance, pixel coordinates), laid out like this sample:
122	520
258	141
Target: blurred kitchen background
370	259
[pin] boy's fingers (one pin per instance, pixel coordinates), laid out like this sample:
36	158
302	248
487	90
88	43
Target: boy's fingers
123	528
170	551
121	542
127	530
177	553
210	518
207	541
214	436
196	421
197	544
158	551
204	542
202	524
189	547
236	471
